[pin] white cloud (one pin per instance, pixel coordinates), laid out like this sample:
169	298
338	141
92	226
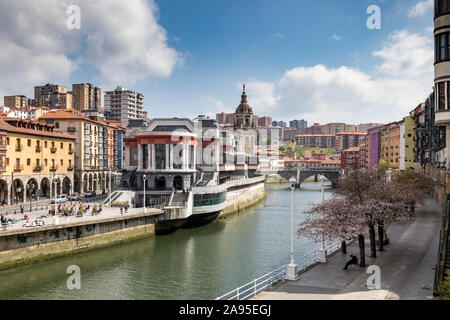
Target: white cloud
420	8
262	95
336	37
406	55
120	43
402	80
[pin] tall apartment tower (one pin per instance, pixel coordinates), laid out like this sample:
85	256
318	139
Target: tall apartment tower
86	97
52	96
16	102
124	104
442	70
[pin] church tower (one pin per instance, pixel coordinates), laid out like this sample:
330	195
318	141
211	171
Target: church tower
244	114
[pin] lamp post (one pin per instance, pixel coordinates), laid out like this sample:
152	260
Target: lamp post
322	253
144	177
292	267
55	179
109	189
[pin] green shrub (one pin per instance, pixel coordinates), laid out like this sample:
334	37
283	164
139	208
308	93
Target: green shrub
120	203
95	209
444	289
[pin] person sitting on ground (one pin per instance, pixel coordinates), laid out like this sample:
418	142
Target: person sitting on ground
353	260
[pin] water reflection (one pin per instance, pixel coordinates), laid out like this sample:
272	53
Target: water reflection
200	263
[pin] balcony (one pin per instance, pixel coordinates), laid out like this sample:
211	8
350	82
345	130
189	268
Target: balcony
71	129
18	167
54	168
19	148
38	148
37	168
70	168
53	150
70	152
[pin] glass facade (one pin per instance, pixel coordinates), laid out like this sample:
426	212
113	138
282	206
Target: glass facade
211	199
160	156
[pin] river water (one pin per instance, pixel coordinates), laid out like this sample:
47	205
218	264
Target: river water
200	263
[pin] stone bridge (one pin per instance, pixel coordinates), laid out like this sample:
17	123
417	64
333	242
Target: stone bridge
302	175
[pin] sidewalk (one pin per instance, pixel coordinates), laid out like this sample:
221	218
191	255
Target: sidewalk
407	266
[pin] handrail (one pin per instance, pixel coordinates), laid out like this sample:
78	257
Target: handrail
258	285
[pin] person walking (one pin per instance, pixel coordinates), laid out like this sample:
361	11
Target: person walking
126	209
121	211
21	208
353	260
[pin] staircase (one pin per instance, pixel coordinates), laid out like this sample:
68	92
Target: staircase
178	199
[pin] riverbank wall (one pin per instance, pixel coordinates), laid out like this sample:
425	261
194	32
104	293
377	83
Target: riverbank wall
24	247
243	194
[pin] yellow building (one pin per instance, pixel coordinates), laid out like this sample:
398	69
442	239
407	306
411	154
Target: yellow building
37	156
390	143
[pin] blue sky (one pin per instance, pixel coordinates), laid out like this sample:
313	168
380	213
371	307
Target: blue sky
300	59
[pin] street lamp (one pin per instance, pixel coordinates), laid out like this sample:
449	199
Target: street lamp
144	177
292	267
29	189
322	253
55	179
109	189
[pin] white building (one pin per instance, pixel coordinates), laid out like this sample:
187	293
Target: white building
124	104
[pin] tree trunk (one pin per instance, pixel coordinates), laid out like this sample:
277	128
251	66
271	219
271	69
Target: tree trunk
344	247
373	243
362	251
380	237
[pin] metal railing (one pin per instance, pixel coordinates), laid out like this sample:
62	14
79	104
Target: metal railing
265	282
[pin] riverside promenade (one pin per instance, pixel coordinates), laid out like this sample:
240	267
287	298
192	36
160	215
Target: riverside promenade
407	266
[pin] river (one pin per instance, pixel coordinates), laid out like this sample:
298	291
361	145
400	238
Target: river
200	263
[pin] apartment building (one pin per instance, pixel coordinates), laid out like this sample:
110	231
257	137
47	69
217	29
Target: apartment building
346	140
98	148
16	102
86	97
33	158
316	140
52	96
124	105
390	143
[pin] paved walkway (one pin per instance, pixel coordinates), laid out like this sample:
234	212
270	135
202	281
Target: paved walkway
48	219
407	266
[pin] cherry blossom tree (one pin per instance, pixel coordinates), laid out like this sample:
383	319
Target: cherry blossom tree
339	218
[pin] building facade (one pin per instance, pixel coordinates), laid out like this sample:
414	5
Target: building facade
350	158
86	97
34	157
52	96
98	147
124	105
16	102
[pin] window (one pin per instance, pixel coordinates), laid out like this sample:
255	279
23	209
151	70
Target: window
53	144
29	142
62	145
45	144
441	101
45	162
7	161
62	162
160	156
7	141
28	162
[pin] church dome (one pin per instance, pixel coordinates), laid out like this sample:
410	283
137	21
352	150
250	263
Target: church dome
244	107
